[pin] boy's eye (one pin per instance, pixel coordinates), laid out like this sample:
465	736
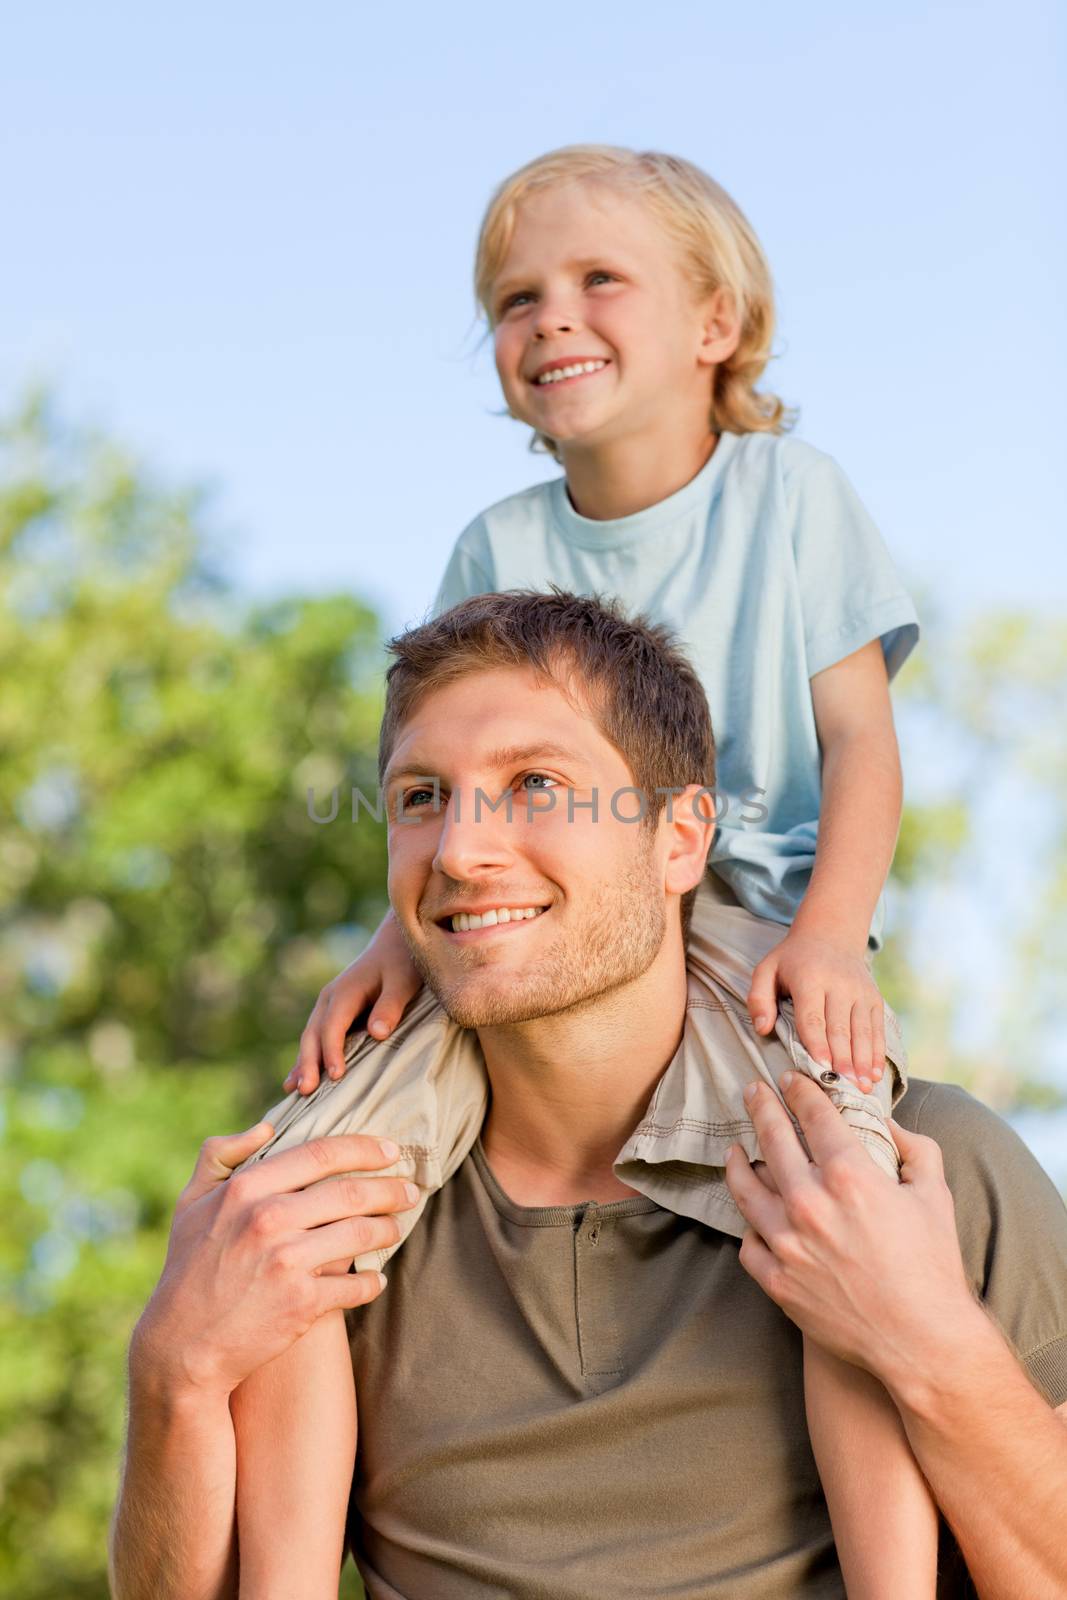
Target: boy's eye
608	275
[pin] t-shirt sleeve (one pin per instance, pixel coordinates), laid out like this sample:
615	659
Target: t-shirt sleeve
469	571
850	590
1012	1224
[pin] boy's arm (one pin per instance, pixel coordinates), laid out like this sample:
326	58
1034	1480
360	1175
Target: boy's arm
295	1421
821	961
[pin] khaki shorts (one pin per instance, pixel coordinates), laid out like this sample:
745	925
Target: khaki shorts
426	1086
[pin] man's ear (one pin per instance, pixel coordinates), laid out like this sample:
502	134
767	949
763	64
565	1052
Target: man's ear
721	328
690	823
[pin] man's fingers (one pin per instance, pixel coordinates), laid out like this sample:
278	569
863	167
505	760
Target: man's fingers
349	1196
920	1157
219	1155
825	1131
782	1150
320	1158
346	1290
763	995
761	1207
355	1236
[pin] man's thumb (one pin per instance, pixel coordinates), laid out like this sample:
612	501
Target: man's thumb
220	1154
917	1153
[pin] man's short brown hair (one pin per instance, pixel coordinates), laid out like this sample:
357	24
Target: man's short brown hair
627	672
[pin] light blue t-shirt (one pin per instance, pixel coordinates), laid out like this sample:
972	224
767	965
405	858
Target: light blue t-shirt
769	570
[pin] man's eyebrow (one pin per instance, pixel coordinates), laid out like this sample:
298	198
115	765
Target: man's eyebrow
507	755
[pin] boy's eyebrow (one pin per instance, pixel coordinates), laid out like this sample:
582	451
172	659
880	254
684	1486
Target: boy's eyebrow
502	285
507	755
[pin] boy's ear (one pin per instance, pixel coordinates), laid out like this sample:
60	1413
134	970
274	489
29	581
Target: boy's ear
721	328
689	818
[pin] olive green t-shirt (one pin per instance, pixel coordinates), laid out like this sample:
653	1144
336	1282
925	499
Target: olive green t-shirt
596	1402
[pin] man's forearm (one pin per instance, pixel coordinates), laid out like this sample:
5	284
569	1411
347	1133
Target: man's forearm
173	1536
995	1456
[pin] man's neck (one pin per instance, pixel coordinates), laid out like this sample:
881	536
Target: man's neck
630	474
568	1090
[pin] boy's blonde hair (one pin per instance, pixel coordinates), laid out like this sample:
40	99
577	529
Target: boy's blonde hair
718	246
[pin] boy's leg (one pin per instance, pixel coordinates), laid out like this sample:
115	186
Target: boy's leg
726	944
882	1512
424	1087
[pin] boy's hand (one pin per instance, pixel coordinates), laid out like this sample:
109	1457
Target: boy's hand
383	974
837	1004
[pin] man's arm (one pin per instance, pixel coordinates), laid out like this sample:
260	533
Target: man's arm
252	1263
174	1532
873	1272
995	1456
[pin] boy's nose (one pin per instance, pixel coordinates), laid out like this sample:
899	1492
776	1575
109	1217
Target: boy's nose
553	319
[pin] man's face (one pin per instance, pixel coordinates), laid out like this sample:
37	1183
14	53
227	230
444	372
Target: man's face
595	888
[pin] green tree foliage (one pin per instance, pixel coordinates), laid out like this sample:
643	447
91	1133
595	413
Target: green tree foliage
168	911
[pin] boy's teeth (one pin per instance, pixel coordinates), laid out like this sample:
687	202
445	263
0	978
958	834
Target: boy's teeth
464	920
570	372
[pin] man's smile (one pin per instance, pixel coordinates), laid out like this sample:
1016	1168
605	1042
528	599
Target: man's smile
488	920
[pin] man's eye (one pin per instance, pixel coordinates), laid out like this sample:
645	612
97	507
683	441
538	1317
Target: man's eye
415	798
540	780
610	276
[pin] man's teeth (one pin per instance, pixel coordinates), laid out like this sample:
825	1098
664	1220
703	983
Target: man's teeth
569	372
465	920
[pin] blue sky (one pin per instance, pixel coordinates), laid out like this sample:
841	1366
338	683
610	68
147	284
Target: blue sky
242	238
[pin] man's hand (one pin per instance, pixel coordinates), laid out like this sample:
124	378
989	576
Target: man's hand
869	1269
254	1260
837	1004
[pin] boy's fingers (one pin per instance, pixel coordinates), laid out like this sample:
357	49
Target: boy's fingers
878	1038
332	1040
839	1034
762	997
810	1011
862	1066
383	1019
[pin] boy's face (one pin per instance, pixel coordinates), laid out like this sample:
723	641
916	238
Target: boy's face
600	887
590	276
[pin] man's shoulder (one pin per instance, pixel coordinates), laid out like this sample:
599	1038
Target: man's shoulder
976	1142
1011	1221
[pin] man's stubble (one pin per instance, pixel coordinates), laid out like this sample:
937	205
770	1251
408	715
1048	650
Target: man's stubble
613	944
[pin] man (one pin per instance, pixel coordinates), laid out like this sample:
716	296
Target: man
568	1389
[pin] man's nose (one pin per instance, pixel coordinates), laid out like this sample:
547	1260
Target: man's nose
476	835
